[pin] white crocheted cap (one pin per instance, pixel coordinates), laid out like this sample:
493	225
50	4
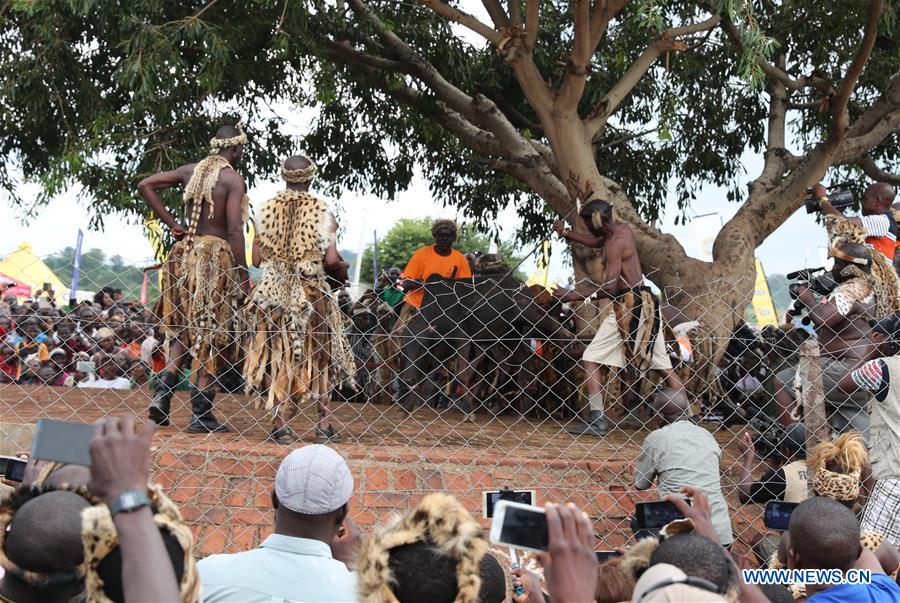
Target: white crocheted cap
313	480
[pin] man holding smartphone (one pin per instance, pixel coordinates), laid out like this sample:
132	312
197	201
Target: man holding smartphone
680	453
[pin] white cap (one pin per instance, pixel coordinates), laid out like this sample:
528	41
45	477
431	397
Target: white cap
313	480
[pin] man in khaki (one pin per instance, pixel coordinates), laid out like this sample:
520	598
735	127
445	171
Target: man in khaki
678	454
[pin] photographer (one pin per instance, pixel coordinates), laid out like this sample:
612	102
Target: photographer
877	216
845	338
783	450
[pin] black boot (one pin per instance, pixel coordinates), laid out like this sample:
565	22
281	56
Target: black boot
202	418
595	427
161	405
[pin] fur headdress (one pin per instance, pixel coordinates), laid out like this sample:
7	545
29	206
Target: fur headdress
847	455
217	144
300	175
101	538
440	520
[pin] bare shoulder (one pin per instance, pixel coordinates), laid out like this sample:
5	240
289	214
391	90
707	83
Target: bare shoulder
232	179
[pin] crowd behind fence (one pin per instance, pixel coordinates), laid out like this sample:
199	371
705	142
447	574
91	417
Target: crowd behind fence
492	367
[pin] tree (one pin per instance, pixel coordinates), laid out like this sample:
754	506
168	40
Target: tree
560	101
409	234
98	271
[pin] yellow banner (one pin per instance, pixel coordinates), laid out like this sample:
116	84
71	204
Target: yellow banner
762	300
541	274
249	235
155	235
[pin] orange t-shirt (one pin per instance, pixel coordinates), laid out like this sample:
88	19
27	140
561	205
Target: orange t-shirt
425	262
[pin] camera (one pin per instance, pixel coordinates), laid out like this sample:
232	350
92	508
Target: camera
840	199
819	280
769	436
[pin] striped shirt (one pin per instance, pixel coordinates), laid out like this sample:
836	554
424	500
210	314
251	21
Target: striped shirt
881	236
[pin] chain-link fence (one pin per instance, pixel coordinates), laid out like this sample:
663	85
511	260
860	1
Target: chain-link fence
482	387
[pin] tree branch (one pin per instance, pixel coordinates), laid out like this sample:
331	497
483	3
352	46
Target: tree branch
532	22
874	172
496	12
838	104
463	18
668	40
515	13
604	12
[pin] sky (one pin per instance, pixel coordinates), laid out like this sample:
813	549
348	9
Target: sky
796	244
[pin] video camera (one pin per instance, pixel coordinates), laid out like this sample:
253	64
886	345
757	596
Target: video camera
819	280
840	199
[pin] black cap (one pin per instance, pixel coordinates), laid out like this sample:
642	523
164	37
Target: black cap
889	325
794	438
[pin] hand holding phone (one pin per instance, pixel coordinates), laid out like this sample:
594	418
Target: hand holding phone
570	564
12	468
655	515
778	515
490	498
519	526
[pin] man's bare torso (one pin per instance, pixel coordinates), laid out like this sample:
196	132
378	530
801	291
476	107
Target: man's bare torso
216	226
855	342
622	242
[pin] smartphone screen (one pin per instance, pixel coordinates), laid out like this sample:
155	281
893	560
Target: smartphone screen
653	515
63	442
15	469
604	556
525	497
778	515
524	528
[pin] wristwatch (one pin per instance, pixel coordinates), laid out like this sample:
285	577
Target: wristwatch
128	501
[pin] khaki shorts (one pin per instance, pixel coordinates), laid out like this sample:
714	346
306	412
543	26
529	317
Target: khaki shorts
606	347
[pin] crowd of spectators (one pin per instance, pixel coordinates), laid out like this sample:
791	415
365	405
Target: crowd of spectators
105	533
109	342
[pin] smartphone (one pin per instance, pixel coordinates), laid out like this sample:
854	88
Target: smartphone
604	556
519	526
778	515
654	515
85	366
491	497
12	468
63	442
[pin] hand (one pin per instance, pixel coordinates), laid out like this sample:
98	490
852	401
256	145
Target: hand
120	457
745	444
570	565
819	191
532	585
560	227
698	511
346	543
178	231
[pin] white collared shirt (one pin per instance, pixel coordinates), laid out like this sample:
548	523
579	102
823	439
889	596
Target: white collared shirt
284	569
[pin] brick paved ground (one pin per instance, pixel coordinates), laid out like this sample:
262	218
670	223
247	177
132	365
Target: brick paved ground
223	482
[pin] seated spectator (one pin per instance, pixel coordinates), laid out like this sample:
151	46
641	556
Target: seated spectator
30	343
107	341
70	341
85	321
137	373
62	377
435	553
824	534
153	353
785	479
311	499
9	363
133	335
106	375
42	551
680	453
29	369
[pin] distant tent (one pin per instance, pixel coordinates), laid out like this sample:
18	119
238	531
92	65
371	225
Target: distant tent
18	288
23	266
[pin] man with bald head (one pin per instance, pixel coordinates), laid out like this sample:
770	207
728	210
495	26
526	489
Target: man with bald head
877	216
205	277
297	349
44	544
680	453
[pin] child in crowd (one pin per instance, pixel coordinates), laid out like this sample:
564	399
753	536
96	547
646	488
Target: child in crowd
29	343
107	374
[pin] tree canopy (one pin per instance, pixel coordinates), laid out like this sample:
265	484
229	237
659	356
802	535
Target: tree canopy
98	271
100	94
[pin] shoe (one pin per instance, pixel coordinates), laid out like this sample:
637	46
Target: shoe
284	436
630	420
329	436
595	427
202	418
161	405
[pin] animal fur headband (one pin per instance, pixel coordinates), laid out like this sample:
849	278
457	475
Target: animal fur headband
300	175
846	455
837	486
101	538
217	144
9	505
439	520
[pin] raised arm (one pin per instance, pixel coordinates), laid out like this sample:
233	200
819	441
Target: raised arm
335	266
149	186
585	239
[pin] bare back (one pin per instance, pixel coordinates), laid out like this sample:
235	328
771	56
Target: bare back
229	187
